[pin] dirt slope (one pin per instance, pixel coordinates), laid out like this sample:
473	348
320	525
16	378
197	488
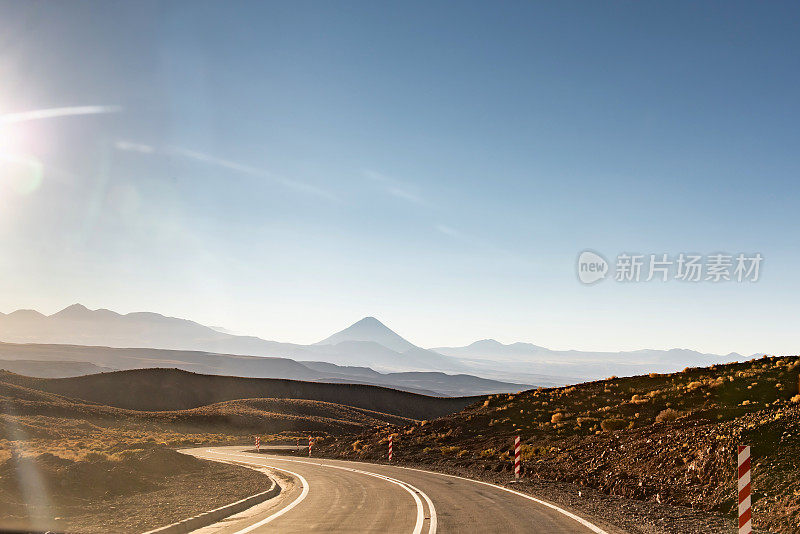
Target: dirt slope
138	489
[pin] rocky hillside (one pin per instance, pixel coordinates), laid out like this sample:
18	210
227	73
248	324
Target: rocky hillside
667	438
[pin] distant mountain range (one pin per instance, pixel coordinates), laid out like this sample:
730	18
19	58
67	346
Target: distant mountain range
367	351
487	356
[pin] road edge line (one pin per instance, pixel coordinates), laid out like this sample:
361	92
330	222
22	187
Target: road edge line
217	514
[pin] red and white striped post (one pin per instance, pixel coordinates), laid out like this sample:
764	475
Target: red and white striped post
258	443
309	445
390	447
745	514
517	456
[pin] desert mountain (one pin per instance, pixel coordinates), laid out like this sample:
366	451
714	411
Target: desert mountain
78	325
370	329
367	343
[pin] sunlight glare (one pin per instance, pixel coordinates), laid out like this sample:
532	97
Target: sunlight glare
19	171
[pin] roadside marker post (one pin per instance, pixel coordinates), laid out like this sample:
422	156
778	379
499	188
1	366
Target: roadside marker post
390	447
745	513
517	456
258	443
309	445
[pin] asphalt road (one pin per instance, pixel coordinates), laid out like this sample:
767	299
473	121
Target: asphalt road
340	496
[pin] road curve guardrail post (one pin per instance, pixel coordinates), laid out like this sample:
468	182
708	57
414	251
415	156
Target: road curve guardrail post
309	445
258	443
745	513
517	457
390	447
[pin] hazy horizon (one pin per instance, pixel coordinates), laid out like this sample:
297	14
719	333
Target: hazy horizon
283	171
224	330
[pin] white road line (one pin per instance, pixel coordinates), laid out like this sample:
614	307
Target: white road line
406	486
434	519
582	521
283	510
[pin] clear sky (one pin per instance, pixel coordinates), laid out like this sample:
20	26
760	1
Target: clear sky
283	169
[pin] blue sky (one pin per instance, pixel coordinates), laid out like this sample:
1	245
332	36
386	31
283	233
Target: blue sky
283	169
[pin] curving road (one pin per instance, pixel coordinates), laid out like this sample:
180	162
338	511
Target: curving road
339	496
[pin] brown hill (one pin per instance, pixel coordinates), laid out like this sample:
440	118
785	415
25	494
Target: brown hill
173	389
39	414
667	438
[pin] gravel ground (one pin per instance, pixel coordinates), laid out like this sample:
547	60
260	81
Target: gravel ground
178	497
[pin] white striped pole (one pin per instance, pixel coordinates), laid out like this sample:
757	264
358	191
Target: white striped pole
745	514
309	445
390	447
258	443
517	455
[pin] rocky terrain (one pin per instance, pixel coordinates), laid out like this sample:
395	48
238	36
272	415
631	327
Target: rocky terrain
668	439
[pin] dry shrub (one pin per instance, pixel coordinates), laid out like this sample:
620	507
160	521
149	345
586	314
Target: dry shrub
585	420
612	424
665	416
638	399
529	452
557	417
